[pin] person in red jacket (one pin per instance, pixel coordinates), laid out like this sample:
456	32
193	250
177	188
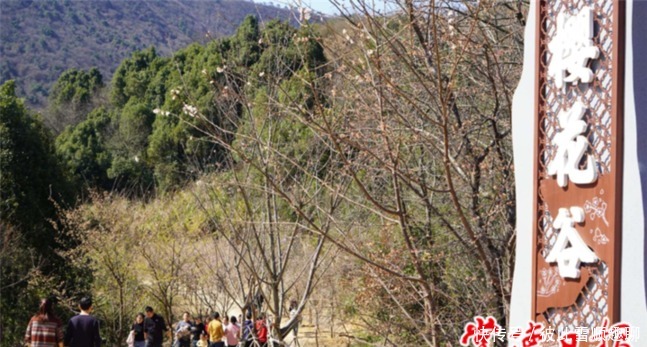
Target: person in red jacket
261	330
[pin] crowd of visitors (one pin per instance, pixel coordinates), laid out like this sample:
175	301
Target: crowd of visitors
45	329
215	331
220	331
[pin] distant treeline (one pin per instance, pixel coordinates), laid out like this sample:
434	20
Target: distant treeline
141	130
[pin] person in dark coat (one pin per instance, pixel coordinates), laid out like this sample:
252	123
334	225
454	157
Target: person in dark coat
83	329
138	328
197	330
154	328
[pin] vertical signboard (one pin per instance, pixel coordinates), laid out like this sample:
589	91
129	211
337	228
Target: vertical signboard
578	160
581	253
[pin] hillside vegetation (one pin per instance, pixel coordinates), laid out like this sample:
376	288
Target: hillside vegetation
41	39
358	171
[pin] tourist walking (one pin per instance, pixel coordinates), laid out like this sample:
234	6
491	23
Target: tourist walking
83	329
44	328
137	331
232	332
294	317
197	330
154	328
260	328
216	332
248	328
183	331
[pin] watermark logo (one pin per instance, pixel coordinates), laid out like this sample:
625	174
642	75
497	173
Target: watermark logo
483	332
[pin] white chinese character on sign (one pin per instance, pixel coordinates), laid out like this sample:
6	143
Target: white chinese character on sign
570	249
572	47
571	146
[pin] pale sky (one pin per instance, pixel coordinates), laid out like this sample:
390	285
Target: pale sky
323	6
318	5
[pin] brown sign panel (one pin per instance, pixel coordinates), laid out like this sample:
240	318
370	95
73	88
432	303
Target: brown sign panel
563	299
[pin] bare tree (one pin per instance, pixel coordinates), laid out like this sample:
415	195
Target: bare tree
274	254
272	257
408	165
108	240
429	121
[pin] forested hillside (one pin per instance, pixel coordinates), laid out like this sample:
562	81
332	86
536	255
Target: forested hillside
41	39
161	123
353	175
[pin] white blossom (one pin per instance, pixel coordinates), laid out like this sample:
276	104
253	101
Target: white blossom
161	112
175	93
304	14
190	110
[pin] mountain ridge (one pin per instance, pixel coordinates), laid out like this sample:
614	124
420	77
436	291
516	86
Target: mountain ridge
41	39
